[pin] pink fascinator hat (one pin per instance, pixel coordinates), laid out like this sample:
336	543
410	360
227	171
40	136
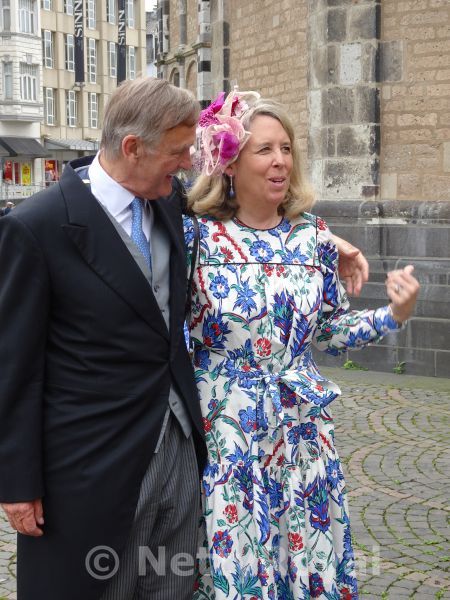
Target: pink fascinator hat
220	132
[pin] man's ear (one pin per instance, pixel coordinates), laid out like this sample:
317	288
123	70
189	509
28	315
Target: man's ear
131	147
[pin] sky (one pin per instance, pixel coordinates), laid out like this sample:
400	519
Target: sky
150	4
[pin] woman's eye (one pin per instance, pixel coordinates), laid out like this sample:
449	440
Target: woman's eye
287	149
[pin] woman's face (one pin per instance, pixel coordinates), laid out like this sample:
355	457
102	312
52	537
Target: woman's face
263	169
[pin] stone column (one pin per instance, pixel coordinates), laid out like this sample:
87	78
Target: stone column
344	143
220	34
163	36
203	47
182	15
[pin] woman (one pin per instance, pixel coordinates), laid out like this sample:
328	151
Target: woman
265	289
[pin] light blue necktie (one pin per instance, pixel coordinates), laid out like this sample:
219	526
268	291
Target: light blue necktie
137	235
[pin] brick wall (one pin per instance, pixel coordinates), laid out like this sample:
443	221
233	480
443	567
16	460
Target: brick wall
268	53
415	100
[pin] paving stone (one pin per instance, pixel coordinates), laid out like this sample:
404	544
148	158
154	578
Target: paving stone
394	446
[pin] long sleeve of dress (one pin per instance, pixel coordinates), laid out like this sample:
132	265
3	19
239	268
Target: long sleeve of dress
339	328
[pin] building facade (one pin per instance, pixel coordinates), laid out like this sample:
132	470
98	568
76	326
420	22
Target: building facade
60	62
151	42
367	83
21	108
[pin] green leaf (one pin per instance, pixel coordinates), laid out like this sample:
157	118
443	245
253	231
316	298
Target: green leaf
221	583
234	425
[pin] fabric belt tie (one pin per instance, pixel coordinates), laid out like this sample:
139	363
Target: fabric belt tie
310	388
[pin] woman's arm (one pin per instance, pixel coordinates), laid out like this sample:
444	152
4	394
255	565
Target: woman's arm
338	327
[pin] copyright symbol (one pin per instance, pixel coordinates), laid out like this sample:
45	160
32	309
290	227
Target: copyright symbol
102	562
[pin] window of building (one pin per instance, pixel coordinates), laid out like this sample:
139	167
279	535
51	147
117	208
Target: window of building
49	106
7	80
27	16
46	4
47	42
131	62
112	59
93	110
71	108
18	172
91	16
68	7
69	52
5	15
111	11
28	82
92	60
129	7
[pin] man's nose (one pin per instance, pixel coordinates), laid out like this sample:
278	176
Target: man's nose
186	160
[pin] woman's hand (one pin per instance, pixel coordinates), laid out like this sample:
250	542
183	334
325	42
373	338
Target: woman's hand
402	288
353	266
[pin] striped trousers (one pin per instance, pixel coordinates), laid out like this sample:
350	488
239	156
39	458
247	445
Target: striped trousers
158	560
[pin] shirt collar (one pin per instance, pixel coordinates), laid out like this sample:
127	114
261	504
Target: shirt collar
108	192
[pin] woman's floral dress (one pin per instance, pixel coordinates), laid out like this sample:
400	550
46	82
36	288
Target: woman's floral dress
274	494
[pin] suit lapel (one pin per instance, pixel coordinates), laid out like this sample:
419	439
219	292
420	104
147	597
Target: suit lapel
99	243
168	210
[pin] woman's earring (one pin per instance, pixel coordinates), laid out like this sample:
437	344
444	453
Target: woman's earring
231	192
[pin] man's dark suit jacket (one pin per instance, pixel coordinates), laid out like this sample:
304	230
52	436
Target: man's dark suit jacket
86	366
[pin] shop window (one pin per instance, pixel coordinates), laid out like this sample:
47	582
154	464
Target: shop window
17	172
51	174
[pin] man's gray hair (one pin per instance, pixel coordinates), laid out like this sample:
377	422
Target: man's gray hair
145	107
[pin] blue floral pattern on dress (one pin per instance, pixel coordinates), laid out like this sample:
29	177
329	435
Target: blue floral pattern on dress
275	508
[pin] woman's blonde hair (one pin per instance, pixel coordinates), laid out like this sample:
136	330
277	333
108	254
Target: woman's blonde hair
210	194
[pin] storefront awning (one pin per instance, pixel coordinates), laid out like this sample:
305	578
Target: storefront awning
71	144
20	146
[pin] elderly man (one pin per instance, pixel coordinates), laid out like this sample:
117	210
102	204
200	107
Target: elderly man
100	423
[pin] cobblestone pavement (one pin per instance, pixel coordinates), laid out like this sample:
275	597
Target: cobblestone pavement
392	436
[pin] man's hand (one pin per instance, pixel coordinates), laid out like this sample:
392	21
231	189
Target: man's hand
353	266
25	517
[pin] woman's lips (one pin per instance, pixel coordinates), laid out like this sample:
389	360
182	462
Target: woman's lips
277	181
